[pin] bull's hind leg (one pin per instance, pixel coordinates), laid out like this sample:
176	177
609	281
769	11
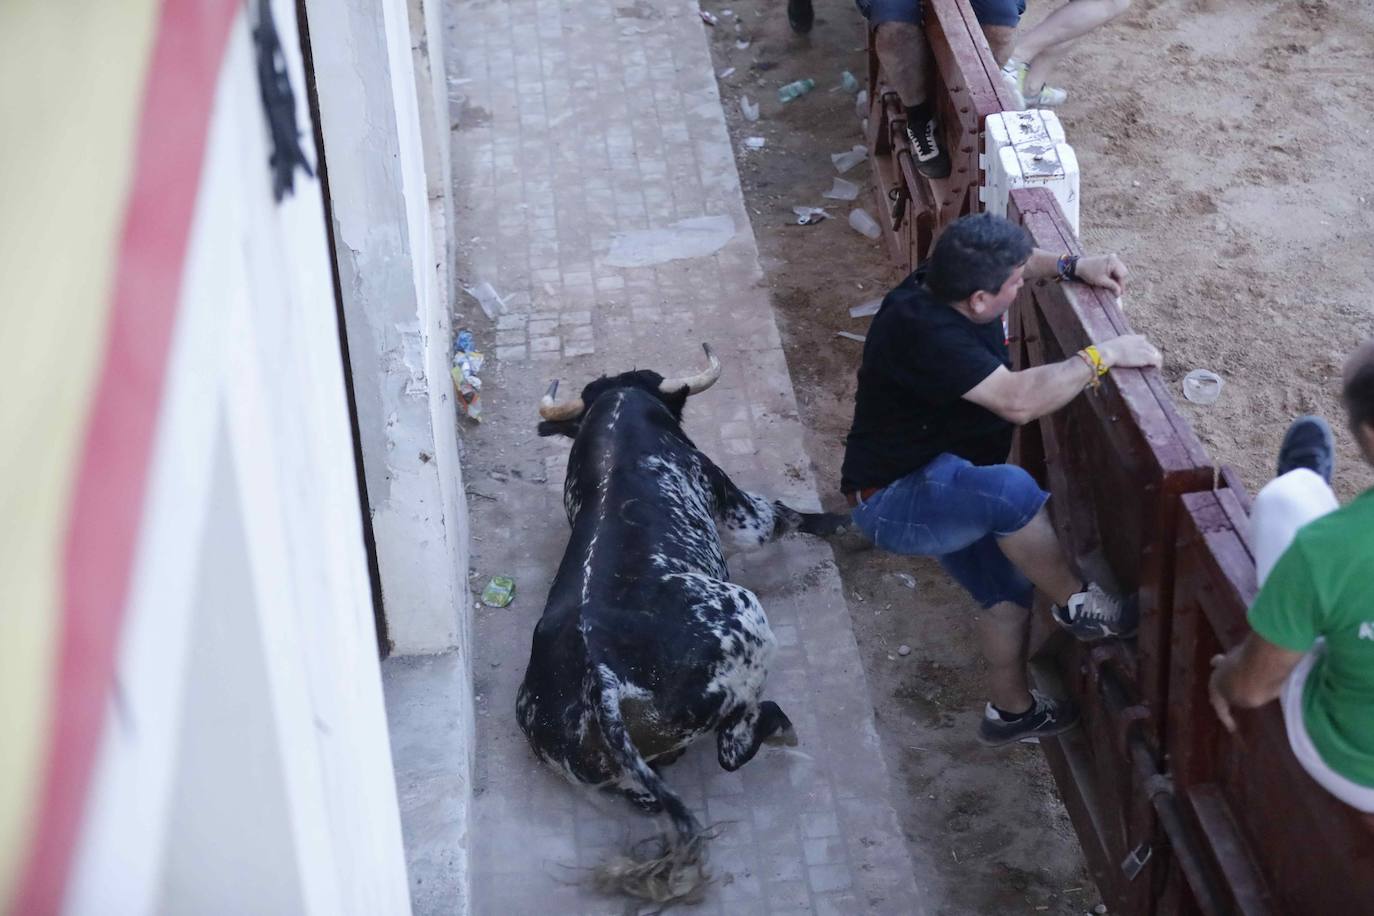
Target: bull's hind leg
739	736
753	519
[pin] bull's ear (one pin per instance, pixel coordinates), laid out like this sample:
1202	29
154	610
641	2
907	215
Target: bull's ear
567	428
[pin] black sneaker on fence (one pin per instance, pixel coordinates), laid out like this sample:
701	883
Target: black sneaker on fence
1092	614
927	151
1046	717
1308	444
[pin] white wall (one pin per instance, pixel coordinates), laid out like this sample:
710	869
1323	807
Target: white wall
397	316
245	765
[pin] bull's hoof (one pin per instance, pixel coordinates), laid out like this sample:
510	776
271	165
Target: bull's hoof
825	524
783	737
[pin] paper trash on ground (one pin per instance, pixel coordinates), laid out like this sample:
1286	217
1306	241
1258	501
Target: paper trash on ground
866	310
687	238
808	215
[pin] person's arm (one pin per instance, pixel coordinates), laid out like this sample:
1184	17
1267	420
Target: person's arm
1104	270
1020	397
1248	676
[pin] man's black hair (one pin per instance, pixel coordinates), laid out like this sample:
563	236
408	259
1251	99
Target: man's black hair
975	253
1358	396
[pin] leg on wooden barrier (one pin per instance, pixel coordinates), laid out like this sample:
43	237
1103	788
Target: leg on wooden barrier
1042	47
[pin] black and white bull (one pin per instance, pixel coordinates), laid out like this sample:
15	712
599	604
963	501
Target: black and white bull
644	645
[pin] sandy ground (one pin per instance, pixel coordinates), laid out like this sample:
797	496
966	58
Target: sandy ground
1220	144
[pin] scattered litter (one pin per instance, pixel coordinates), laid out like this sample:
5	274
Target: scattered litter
742	44
500	591
868	310
696	237
861	104
491	303
848	81
728	14
467	362
848	336
906	579
904	650
748	108
727	72
849	158
709	18
809	216
1100	909
795	89
755	142
842	189
863	223
1202	386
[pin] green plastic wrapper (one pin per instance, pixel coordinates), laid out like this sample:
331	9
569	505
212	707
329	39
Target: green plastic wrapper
500	591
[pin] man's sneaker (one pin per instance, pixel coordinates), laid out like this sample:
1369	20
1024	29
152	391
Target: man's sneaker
1049	97
1014	75
927	151
1046	717
800	16
1093	614
1308	444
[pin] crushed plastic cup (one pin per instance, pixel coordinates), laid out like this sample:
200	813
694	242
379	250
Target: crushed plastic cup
848	81
500	592
861	104
865	224
491	303
806	216
849	158
1202	386
842	190
748	108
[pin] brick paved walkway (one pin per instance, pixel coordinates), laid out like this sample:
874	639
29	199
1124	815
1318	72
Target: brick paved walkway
582	120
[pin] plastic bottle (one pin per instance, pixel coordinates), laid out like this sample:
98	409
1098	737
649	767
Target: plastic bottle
864	223
848	81
793	90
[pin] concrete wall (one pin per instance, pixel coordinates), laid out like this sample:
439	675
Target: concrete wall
397	315
245	764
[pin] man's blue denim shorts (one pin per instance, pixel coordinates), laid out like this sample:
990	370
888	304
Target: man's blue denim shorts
956	511
989	12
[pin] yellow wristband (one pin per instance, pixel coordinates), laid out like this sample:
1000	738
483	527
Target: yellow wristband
1093	358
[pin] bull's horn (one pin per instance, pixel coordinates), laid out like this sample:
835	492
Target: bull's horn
695	384
550	409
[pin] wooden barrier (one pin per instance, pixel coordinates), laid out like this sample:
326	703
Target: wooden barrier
1175	816
967	87
1275	840
1116	459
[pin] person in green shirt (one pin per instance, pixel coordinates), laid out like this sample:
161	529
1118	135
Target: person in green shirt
1312	645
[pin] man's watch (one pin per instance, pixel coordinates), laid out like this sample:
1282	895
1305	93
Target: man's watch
1067	267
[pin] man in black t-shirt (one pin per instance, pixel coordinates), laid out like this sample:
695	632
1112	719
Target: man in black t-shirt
925	461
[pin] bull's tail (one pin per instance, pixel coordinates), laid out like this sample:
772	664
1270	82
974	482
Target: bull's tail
633	765
657	870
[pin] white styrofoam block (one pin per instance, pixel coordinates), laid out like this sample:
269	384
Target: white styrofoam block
1027	149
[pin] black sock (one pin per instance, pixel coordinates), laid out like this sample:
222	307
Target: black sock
1012	716
919	113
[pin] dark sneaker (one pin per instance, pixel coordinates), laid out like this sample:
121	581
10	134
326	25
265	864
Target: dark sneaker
800	16
927	151
1047	717
1308	444
1093	614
